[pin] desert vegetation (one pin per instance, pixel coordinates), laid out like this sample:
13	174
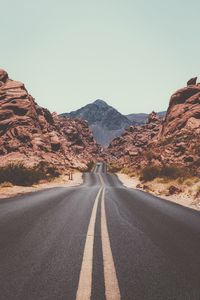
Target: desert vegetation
168	172
19	174
90	166
114	167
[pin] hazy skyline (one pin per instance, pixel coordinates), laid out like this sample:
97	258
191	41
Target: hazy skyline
132	54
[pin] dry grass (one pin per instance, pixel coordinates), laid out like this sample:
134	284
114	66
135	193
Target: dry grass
114	167
190	188
6	184
127	171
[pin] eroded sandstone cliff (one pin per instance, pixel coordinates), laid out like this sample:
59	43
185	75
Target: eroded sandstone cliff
30	133
173	141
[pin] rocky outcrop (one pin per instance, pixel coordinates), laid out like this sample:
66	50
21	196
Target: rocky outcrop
179	140
183	111
31	133
192	81
127	150
172	142
77	139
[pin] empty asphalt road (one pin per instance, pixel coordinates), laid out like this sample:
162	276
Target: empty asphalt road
98	241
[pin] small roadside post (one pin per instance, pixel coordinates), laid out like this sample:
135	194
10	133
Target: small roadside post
70	176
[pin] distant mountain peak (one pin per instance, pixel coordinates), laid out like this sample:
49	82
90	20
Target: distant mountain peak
100	102
105	121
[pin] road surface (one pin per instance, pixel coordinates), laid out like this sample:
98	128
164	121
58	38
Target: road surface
98	241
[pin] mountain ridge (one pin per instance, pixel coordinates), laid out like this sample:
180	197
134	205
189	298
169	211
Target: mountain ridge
142	118
105	121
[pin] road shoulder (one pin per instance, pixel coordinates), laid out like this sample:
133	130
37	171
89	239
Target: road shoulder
62	181
154	188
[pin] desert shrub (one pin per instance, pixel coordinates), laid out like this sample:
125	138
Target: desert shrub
149	173
168	172
19	174
173	172
46	168
90	166
188	182
149	154
195	179
131	174
180	180
114	167
127	171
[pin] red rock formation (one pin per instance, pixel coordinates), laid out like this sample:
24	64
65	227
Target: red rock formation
129	148
192	81
31	133
175	142
179	139
183	111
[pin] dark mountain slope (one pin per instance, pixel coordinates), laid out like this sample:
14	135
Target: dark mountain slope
104	120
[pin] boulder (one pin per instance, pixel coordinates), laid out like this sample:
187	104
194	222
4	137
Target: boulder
173	190
3	76
192	81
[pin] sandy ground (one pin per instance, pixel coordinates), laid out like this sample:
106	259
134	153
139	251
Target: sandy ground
130	182
62	181
159	187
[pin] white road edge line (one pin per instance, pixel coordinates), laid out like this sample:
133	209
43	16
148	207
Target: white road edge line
112	290
85	278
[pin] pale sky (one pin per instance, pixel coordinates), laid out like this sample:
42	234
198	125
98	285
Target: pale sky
132	54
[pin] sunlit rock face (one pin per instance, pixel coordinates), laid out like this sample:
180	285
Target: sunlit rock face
31	133
183	111
172	141
130	146
179	139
